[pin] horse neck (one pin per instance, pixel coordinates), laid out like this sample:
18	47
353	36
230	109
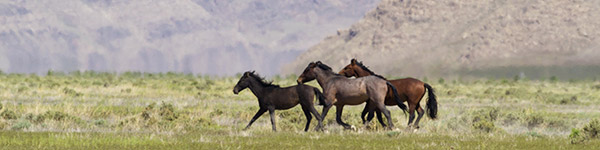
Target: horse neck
256	87
323	76
361	72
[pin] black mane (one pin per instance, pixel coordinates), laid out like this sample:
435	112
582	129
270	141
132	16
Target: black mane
262	80
369	71
324	67
327	68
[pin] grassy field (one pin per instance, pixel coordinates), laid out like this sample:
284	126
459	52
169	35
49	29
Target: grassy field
82	110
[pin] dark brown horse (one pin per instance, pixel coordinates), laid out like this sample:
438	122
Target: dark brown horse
272	97
410	90
340	91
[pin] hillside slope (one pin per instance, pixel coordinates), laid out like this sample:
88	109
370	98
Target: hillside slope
194	36
448	38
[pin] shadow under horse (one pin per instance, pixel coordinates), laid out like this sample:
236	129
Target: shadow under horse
340	91
272	97
411	90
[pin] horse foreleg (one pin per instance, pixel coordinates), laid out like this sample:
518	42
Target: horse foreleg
260	112
325	111
272	113
338	116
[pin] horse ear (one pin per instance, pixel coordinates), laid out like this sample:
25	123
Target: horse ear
353	61
319	62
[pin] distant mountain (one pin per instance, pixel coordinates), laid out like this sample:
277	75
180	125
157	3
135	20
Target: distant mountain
428	38
219	37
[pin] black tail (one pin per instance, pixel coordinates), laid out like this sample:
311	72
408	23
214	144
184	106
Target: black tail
397	97
319	96
431	102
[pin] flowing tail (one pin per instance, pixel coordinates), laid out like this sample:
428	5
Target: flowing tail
431	102
397	97
320	96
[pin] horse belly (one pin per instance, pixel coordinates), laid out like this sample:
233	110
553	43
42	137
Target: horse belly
352	100
390	101
283	107
286	103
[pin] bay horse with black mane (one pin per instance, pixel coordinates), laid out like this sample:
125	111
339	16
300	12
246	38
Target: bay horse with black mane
272	97
410	90
340	91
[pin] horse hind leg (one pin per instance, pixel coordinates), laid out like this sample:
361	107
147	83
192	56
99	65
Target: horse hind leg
272	113
411	112
308	108
338	116
364	113
319	119
387	114
380	118
308	117
421	113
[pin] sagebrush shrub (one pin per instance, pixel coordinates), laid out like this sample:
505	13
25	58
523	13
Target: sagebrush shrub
576	136
167	112
484	125
8	114
592	129
483	120
22	124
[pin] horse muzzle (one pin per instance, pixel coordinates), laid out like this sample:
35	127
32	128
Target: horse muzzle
299	81
236	91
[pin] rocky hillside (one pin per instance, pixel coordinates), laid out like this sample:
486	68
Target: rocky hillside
219	37
456	37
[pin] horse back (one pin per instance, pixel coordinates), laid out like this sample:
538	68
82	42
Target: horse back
409	89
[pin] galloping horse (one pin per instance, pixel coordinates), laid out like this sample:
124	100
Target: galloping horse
272	97
340	91
410	90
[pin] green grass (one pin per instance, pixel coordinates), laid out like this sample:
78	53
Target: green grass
132	110
223	139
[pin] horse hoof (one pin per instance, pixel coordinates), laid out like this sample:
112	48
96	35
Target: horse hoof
320	129
354	128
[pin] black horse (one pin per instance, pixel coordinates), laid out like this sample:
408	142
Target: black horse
272	97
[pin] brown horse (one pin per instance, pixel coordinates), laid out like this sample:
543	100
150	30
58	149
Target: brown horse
340	91
410	90
272	97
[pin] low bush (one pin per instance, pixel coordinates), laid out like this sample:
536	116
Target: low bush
483	120
590	131
576	136
71	92
8	114
167	112
484	125
21	124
